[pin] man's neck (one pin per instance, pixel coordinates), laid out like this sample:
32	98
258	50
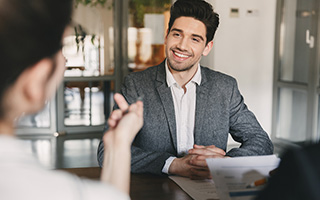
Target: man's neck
183	77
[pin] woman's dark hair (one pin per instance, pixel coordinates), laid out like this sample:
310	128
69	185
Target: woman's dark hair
198	9
30	30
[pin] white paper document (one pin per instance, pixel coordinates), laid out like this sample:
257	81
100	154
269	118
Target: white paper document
232	176
197	189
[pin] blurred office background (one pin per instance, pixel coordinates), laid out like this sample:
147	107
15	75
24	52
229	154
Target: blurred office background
269	46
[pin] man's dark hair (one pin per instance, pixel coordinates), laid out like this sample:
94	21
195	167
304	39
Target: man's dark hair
198	9
30	30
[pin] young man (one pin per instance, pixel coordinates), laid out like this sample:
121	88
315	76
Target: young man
32	64
189	109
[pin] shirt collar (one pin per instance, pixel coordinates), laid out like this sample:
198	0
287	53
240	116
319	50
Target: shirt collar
171	81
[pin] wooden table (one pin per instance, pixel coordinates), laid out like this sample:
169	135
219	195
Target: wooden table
146	186
142	186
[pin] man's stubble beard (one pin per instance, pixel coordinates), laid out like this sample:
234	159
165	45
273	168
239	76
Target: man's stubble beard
178	69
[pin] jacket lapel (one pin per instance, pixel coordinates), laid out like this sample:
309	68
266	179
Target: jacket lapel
201	106
167	101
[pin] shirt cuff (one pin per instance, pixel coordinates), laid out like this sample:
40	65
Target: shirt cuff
166	166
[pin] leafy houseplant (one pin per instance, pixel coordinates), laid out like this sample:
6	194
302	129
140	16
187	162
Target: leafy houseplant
87	36
139	7
92	3
80	33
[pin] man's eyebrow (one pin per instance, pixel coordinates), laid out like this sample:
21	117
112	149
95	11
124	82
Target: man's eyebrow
198	36
176	29
194	35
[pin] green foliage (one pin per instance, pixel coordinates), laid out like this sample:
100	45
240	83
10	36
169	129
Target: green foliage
81	35
151	3
139	7
92	3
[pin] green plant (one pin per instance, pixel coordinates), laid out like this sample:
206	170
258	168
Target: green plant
94	3
90	2
139	7
81	35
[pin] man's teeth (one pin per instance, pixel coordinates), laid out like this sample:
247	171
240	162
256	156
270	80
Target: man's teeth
181	55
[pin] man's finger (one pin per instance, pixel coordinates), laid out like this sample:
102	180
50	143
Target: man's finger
207	151
199	163
197	174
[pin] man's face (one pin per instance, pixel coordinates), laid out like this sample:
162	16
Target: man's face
186	43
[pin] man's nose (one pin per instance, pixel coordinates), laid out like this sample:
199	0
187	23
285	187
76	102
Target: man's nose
183	44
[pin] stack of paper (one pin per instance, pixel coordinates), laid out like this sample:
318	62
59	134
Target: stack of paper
234	177
197	189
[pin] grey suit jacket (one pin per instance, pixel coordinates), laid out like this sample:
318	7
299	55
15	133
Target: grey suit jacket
220	110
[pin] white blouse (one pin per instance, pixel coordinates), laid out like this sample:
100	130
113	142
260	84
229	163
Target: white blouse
22	177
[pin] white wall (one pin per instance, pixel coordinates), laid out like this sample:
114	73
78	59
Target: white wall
244	49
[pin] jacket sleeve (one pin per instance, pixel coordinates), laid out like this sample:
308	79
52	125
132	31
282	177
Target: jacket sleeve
245	129
147	161
142	161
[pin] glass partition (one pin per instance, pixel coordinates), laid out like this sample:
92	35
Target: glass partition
296	40
148	22
84	103
43	122
292	115
89	48
296	80
39	120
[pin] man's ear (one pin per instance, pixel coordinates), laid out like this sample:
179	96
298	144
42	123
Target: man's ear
208	48
35	80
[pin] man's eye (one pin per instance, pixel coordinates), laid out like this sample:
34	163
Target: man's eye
195	39
176	34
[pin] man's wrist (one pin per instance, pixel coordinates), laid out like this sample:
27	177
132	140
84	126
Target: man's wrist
167	165
173	166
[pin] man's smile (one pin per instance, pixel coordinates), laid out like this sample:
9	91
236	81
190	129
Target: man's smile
180	56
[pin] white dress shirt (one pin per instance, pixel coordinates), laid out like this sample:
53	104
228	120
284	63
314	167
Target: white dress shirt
184	107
